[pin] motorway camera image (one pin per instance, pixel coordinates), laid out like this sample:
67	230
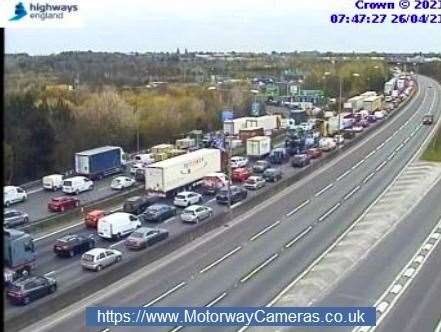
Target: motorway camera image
221	165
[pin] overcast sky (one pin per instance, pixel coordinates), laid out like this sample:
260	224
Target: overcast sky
222	25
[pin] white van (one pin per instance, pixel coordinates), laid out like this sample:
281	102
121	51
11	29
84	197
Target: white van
145	158
12	194
77	184
52	182
117	225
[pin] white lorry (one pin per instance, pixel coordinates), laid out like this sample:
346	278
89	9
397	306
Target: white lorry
166	177
258	146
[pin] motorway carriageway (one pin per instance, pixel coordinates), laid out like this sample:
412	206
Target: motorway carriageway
248	262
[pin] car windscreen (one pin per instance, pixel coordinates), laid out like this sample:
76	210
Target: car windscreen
67	183
137	235
189	212
180	196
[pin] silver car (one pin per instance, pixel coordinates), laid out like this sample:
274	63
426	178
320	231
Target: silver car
196	213
99	258
12	218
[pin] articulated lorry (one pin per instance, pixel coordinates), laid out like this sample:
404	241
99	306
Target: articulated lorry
99	162
18	254
169	176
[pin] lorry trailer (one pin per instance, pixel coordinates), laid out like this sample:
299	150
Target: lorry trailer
99	162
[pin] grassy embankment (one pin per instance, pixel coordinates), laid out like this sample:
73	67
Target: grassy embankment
433	151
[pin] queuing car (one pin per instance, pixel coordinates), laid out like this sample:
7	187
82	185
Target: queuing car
99	258
77	184
137	166
272	174
239	161
260	166
187	198
348	133
63	203
12	218
12	194
92	217
237	194
240	174
379	115
357	129
122	182
300	160
144	237
314	153
196	213
25	290
255	182
371	118
73	244
157	213
428	119
363	122
339	139
140	175
137	204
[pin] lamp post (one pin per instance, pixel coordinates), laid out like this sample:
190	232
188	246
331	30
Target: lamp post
137	126
228	150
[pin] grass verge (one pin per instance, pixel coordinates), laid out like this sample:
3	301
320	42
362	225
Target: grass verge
433	151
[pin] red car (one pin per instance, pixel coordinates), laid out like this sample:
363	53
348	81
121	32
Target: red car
240	174
92	218
63	203
314	153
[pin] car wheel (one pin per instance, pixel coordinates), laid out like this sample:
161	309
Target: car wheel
197	220
118	259
27	300
62	209
118	236
52	288
91	245
77	204
25	272
99	268
26	220
71	253
7	204
91	187
77	192
23	199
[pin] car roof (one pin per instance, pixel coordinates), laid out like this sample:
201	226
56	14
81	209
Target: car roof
255	177
9	211
186	193
96	251
144	230
61	198
158	205
76	178
194	207
69	237
24	281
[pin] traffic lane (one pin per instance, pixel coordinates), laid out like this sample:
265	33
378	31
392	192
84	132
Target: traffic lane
36	204
282	271
424	290
199	300
375	272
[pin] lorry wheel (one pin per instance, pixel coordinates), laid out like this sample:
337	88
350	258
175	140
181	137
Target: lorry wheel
71	253
118	259
7	204
27	300
77	192
62	209
52	288
26	220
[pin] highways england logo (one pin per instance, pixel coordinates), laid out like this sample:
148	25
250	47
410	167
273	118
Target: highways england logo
44	11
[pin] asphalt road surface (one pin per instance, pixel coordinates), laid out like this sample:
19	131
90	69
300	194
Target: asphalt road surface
249	262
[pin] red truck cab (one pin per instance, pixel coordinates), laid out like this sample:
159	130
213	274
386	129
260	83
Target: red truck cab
92	217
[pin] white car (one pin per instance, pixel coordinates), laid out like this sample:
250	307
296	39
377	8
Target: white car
327	144
136	166
187	198
357	129
196	213
238	161
379	114
122	182
339	139
12	194
254	182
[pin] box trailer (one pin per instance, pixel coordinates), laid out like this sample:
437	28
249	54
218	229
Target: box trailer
356	102
372	104
166	177
232	127
99	162
247	133
389	86
369	94
259	146
185	143
267	122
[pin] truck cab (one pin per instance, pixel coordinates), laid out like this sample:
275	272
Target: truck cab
18	254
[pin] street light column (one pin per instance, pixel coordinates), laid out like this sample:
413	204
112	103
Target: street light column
339	102
228	149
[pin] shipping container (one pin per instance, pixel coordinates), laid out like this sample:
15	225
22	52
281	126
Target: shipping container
356	102
100	162
185	143
259	146
267	122
167	176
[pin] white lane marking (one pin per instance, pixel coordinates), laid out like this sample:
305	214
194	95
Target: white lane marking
159	298
216	300
343	175
371	153
236	205
384	307
30	192
323	190
116	244
353	191
211	200
50	273
399	147
359	163
177	328
298	208
298	237
438	328
380	146
381	165
335	207
265	230
257	269
367	178
388	139
58	231
224	257
406	140
391	156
